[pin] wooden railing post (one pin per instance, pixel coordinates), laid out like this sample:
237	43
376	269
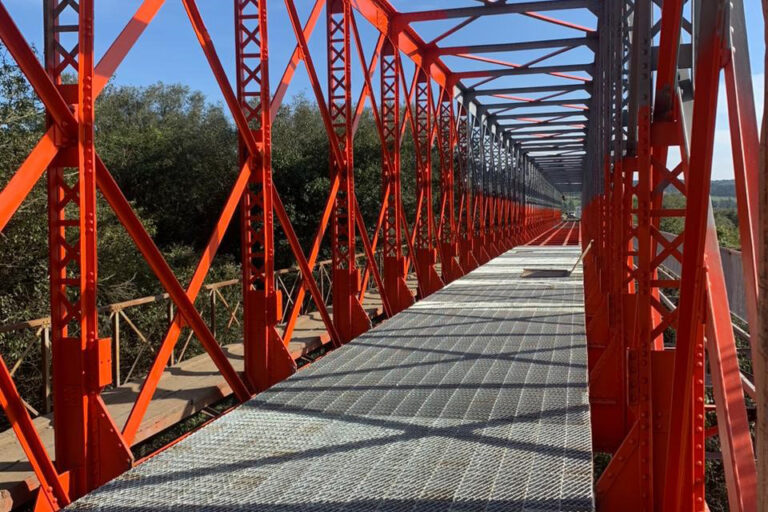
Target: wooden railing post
169	316
115	318
212	298
45	367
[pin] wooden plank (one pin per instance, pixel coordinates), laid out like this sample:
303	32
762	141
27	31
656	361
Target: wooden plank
184	390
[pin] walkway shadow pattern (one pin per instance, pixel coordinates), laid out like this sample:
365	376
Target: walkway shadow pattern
438	409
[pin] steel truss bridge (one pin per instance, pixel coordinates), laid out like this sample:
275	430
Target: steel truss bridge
483	390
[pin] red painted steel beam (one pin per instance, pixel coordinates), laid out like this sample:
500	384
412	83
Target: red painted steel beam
349	316
266	358
680	476
165	350
492	9
54	492
555	21
394	265
473	92
112	58
446	142
424	232
24	179
521	70
572	42
732	422
573	103
293	62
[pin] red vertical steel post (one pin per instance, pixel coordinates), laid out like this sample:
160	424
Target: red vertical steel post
511	170
760	359
522	184
450	268
684	489
504	168
509	191
478	195
394	264
516	162
501	181
639	337
477	167
525	195
745	147
68	397
486	218
503	175
519	191
266	358
493	189
488	190
88	445
501	209
464	189
348	315
426	253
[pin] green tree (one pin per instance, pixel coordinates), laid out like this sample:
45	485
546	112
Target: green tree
173	153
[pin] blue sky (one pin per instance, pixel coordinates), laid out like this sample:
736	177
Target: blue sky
168	51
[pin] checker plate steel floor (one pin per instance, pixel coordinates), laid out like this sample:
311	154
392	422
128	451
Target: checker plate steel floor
473	399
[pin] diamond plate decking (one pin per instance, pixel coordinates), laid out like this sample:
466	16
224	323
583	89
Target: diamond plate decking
473	399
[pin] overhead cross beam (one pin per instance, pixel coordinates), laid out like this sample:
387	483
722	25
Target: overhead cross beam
572	42
518	71
492	9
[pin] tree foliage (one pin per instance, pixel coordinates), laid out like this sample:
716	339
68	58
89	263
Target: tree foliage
726	219
175	156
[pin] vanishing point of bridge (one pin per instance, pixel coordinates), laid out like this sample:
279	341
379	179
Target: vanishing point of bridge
515	351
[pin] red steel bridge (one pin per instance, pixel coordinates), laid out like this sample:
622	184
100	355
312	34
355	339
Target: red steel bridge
484	389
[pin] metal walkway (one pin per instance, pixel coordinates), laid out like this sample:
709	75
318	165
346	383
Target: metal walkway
473	399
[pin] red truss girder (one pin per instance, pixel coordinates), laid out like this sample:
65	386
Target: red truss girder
648	400
266	357
348	314
90	448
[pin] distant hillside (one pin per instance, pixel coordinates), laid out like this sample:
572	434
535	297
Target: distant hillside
719	188
723	188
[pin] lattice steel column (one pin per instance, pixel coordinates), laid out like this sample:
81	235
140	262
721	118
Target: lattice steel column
464	189
478	195
348	314
450	268
426	253
394	263
87	443
266	358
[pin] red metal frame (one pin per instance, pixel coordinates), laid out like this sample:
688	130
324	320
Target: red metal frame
424	226
647	400
266	358
348	314
657	435
446	140
395	268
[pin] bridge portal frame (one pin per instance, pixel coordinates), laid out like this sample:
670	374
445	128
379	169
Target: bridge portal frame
90	448
648	403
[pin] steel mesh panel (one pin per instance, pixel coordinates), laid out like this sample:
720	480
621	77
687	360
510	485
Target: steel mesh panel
442	408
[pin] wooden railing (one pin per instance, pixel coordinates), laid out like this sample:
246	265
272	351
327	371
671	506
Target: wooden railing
132	332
